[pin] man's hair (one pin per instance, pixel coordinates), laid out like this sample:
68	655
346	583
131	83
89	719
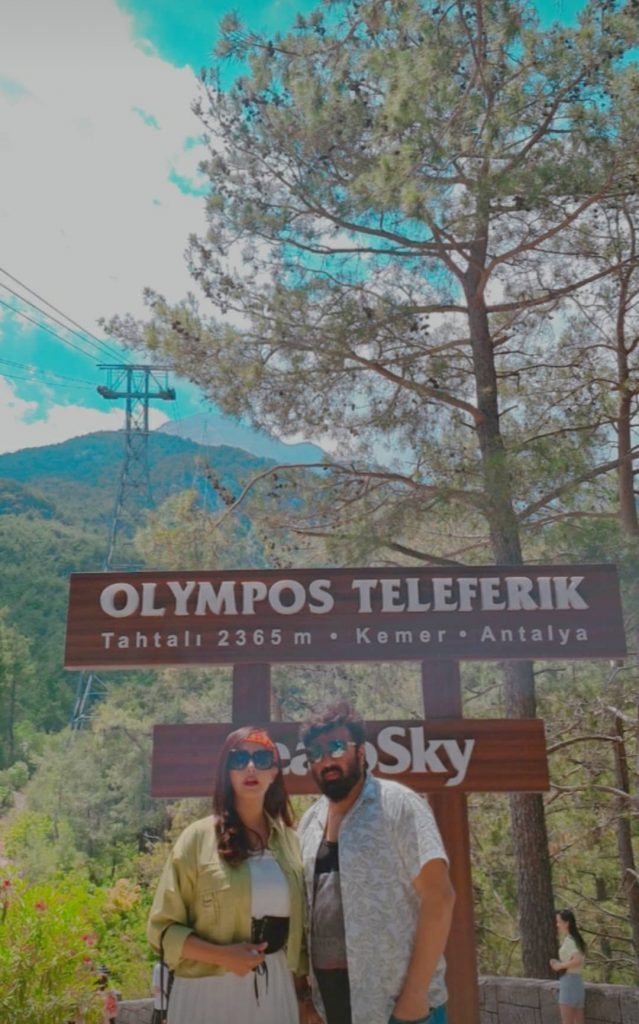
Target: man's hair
326	717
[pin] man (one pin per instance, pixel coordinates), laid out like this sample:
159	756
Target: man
379	896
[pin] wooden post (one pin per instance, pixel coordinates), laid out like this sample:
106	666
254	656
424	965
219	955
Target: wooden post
441	689
251	694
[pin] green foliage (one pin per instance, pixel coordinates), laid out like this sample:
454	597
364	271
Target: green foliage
16	683
53	936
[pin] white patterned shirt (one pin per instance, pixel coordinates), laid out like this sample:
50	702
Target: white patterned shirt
385	839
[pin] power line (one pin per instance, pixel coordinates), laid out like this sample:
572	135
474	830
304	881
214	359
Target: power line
43	327
60	323
88	334
15	376
52	373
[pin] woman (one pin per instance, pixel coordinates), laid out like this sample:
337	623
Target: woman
228	912
572	950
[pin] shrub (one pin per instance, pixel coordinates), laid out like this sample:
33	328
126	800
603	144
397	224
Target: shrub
52	937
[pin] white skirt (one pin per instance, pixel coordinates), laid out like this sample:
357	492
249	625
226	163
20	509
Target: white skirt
227	997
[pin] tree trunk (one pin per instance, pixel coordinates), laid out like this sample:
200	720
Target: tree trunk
629	875
529	836
630	528
625	472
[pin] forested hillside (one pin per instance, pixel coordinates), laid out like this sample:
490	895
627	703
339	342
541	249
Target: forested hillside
56	506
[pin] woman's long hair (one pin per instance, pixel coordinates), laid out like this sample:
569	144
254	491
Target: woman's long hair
573	931
232	835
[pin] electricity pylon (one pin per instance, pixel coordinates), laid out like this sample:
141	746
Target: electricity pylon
138	385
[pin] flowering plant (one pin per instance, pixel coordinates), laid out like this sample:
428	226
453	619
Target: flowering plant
52	938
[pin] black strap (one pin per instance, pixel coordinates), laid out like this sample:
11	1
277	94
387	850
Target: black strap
166	977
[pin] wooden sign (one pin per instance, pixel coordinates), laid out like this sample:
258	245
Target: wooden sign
460	755
145	619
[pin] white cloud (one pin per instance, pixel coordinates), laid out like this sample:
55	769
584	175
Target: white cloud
20	429
88	215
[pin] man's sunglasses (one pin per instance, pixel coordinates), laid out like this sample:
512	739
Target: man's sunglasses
332	748
238	760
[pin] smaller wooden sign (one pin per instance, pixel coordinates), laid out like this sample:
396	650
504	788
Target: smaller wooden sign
448	755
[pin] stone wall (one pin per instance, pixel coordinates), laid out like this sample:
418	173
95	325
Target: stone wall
528	1001
501	1001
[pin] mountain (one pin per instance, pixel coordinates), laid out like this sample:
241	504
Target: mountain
212	429
56	507
76	481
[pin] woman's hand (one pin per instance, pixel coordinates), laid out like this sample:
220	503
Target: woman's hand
241	957
308	1013
556	965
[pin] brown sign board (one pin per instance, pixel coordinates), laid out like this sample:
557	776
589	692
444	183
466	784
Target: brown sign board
445	755
143	619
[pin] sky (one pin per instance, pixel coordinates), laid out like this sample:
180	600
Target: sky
99	191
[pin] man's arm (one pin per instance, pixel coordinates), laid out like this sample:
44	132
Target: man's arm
437	899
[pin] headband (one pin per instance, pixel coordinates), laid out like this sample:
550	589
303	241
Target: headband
264	740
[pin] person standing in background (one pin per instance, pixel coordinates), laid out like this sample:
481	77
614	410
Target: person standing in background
572	949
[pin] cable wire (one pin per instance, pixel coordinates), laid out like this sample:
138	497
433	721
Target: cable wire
43	327
49	383
54	319
88	334
52	373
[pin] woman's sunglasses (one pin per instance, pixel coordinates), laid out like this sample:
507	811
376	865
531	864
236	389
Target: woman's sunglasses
332	748
238	760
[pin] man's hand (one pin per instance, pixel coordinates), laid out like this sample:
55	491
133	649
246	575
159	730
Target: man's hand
241	957
411	1005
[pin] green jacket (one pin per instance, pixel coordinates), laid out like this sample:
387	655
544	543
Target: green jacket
200	893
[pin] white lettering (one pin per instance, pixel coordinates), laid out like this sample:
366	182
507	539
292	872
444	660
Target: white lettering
279	589
519	590
566	595
390	596
148	602
467	591
414	603
364	588
220	603
424	754
320	592
181	594
252	591
387	745
371	755
361	635
460	759
108	599
442	597
544	586
489	590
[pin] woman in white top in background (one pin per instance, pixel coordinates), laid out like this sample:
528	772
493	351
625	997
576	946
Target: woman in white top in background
572	949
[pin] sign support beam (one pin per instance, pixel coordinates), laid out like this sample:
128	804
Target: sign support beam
251	701
441	690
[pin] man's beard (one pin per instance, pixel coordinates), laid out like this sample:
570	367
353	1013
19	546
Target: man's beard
338	789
